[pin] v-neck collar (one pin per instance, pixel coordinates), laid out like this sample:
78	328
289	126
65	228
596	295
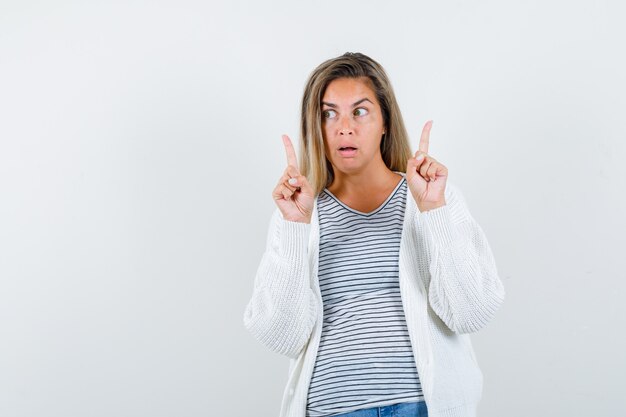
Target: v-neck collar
376	210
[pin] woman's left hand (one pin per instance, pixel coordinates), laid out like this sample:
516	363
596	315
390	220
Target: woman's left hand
425	176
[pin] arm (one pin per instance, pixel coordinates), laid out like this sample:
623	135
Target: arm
465	290
283	308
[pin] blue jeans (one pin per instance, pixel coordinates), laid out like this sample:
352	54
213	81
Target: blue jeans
413	409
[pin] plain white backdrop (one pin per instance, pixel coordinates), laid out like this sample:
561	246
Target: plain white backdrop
140	142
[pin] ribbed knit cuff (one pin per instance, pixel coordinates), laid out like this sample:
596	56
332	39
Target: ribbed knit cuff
439	223
294	238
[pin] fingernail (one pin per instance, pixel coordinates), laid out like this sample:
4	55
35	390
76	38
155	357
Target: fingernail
293	181
420	156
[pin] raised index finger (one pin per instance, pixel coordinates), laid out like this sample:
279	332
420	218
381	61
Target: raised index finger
423	147
291	153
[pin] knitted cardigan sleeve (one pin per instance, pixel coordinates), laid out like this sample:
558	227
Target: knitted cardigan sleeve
465	290
283	307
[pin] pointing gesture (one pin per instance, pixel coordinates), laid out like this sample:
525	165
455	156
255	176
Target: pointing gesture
423	146
425	176
293	195
291	153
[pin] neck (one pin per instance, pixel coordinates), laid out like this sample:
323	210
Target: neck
376	176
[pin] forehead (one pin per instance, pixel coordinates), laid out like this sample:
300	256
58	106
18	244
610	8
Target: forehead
349	90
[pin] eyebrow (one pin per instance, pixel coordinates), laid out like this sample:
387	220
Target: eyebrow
355	104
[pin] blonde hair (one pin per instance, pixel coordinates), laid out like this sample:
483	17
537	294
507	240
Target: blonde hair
395	148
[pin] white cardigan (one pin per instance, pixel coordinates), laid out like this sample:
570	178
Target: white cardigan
449	287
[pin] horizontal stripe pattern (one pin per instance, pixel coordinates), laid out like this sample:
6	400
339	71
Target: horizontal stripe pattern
364	357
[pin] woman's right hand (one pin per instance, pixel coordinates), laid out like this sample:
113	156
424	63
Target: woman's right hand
293	193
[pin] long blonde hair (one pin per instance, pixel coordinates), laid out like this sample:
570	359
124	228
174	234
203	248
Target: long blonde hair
395	147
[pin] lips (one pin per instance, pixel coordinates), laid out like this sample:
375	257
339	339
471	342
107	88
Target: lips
347	151
346	145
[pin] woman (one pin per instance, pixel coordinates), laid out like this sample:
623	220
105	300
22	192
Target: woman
375	271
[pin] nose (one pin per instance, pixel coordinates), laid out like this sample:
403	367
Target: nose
346	128
345	131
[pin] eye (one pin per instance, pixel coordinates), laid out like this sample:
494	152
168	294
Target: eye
361	111
328	114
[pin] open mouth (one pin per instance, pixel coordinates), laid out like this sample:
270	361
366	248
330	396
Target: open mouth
347	151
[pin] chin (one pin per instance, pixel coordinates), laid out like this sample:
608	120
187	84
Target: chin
348	168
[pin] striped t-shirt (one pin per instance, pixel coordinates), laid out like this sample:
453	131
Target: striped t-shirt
364	357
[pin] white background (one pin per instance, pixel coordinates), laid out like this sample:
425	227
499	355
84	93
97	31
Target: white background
140	142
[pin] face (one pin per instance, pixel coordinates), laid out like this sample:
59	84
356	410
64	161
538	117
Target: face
352	125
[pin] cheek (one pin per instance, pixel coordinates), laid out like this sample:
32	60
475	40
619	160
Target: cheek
325	130
369	126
